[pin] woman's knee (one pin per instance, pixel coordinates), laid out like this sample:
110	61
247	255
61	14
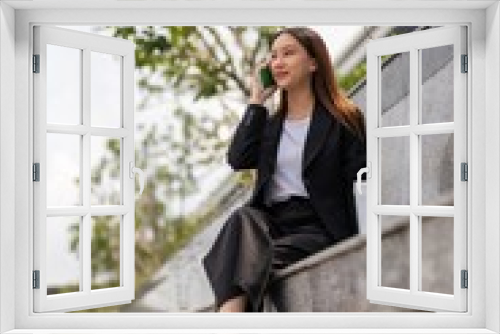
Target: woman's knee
237	217
247	215
244	211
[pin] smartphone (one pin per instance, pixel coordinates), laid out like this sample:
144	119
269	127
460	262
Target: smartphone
266	77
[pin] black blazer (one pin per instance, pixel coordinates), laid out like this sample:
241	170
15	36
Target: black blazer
332	157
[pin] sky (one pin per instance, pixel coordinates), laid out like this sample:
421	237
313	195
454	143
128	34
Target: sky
63	149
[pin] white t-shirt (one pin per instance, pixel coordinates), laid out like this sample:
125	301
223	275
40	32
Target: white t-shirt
287	179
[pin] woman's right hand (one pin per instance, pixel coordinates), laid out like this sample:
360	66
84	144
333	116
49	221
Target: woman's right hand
257	92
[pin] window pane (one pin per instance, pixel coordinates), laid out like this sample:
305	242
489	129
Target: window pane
105	94
63	84
63	169
105	249
395	89
395	170
105	170
437	169
395	251
63	255
437	254
437	84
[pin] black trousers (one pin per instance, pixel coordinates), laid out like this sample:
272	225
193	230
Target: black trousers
254	243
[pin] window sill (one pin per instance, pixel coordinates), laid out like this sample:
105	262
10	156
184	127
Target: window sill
270	331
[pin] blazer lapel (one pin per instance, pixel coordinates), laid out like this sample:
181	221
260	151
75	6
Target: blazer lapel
318	132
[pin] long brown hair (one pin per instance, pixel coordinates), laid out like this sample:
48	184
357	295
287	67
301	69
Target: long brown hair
324	82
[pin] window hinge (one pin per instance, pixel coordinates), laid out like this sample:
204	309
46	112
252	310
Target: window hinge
465	174
36	63
464	63
36	279
36	171
465	280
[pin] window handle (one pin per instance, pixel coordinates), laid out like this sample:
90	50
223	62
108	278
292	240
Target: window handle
134	170
360	172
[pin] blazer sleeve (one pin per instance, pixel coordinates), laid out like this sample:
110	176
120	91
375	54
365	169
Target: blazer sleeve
354	152
243	152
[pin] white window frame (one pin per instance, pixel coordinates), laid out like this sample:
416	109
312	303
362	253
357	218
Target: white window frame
87	297
413	45
16	216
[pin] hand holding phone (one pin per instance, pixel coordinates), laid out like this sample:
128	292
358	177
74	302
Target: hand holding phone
263	83
266	77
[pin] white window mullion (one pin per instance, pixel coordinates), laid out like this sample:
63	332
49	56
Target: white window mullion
434	128
434	211
392	131
79	129
415	172
86	235
127	153
85	243
76	129
373	278
420	129
127	246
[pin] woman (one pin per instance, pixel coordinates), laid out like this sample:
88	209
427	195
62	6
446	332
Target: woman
307	155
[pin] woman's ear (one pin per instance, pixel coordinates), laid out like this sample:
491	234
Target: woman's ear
313	66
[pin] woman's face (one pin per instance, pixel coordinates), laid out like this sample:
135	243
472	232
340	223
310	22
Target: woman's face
290	64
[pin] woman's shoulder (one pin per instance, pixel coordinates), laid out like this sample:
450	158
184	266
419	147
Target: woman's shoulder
354	124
